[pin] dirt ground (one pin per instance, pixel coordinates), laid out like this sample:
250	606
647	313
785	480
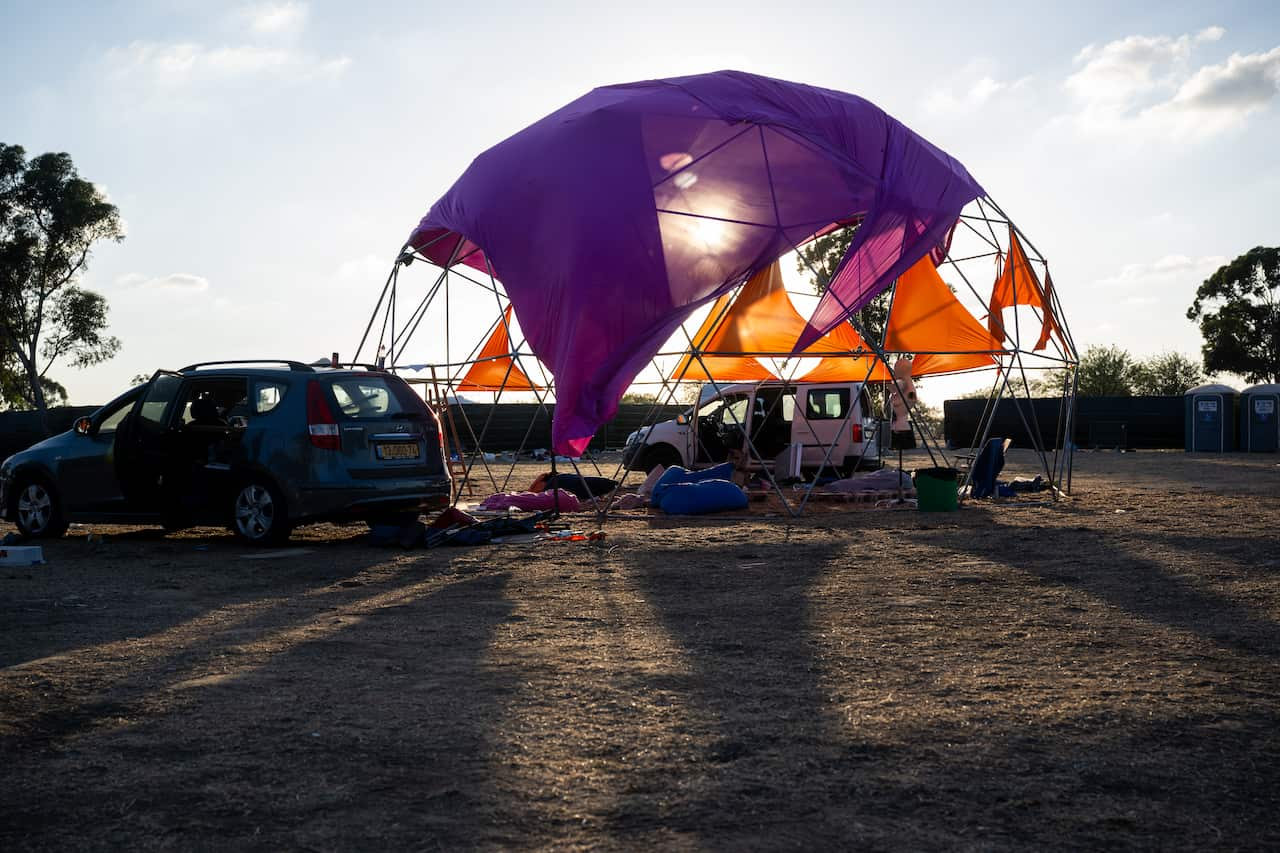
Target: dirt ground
1102	672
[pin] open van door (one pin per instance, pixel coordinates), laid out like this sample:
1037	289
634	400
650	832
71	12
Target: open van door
721	427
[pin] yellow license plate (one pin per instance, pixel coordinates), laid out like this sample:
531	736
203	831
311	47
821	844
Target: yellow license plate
399	450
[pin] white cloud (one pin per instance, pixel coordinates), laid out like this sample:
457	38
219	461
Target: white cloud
1170	268
368	269
1226	93
175	65
1123	70
975	86
1147	85
178	282
276	19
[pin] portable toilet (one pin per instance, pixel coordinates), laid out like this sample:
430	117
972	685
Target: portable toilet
1260	419
1210	419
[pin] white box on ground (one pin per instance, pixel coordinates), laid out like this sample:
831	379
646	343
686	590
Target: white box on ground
20	555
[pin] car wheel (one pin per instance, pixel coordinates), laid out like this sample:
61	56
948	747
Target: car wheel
660	454
39	511
259	515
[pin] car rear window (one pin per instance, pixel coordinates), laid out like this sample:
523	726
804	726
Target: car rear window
374	397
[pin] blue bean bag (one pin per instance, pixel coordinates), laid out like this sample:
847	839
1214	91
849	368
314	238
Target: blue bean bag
675	474
702	497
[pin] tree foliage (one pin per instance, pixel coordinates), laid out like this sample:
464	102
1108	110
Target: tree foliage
1168	374
1238	308
1110	371
1106	372
50	218
819	260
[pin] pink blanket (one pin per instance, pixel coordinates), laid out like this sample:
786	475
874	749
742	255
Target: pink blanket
533	501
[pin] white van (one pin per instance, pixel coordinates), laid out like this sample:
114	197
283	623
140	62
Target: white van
792	428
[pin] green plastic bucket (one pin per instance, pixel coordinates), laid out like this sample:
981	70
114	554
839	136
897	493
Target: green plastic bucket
936	489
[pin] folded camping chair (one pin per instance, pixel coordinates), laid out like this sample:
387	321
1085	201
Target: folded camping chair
986	467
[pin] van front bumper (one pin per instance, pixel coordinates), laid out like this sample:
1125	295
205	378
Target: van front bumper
631	456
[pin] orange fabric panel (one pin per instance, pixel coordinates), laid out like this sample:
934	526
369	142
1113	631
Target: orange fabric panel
1050	324
762	320
834	368
1018	284
932	364
501	373
498	375
718	367
926	316
722	368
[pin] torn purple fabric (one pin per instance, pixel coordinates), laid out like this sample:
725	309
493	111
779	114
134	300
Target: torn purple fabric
609	221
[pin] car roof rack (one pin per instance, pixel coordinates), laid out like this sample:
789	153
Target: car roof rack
293	365
325	364
370	367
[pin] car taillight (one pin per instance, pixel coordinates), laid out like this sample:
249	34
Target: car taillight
439	435
322	426
856	432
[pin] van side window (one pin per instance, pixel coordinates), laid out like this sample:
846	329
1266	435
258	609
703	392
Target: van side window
826	404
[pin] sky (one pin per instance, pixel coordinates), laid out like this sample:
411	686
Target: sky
270	158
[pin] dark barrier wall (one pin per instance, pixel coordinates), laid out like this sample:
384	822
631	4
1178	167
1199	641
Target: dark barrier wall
20	430
507	426
509	422
1138	422
1106	422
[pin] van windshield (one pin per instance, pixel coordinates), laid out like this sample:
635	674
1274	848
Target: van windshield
727	410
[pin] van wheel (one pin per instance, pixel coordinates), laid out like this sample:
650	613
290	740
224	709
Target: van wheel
660	454
39	510
259	515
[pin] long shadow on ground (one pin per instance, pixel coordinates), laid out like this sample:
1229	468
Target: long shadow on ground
1123	571
762	725
874	700
348	721
140	583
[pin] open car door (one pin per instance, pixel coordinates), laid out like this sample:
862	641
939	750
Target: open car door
142	442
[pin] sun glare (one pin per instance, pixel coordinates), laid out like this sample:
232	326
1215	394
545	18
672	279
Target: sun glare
710	232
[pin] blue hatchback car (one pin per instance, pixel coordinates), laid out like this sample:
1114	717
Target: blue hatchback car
259	446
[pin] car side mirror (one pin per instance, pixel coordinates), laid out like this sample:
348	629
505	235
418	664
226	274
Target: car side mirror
238	422
83	425
682	419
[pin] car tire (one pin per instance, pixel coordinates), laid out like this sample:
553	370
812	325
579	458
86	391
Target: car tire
39	510
660	454
259	515
173	525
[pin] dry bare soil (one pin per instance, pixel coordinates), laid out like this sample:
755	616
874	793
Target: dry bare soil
1102	672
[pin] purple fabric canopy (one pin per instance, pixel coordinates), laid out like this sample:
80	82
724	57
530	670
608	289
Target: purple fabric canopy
609	221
